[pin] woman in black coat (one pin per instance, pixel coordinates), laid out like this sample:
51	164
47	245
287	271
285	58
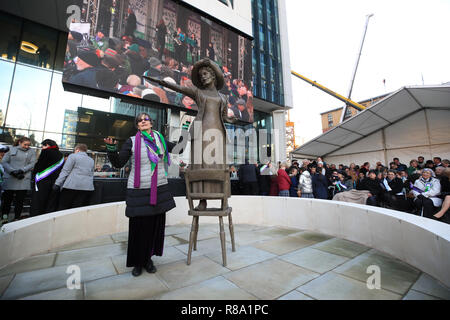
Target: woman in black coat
45	173
148	194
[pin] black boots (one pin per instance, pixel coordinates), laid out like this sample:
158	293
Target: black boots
150	268
137	271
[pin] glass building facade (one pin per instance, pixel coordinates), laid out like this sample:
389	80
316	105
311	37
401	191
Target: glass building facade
267	62
33	102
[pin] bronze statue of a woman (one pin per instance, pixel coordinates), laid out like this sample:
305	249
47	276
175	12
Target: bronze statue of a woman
208	126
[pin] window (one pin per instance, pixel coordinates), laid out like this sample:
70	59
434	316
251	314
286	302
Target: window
38	45
9	39
29	96
330	120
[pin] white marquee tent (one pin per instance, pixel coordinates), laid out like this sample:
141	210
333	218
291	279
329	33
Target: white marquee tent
410	122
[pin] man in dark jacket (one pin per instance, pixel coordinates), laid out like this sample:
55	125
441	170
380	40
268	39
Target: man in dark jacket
130	27
393	191
320	184
248	178
45	172
372	184
87	61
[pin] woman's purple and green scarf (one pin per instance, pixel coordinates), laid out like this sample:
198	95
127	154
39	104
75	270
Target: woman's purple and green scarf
154	154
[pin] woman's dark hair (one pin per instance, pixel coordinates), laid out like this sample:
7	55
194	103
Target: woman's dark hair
21	140
49	142
139	117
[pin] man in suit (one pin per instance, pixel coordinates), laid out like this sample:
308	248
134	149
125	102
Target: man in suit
240	111
76	180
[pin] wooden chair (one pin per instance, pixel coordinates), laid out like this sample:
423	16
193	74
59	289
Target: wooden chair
212	175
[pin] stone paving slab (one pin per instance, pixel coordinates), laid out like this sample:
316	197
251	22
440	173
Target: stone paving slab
295	295
125	287
204	247
284	245
396	276
426	284
58	294
242	257
30	264
217	288
202	235
314	260
28	283
270	279
341	247
244	238
416	295
332	286
178	274
87	254
170	241
177	229
95	242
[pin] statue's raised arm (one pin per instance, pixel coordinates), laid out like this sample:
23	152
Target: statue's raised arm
187	91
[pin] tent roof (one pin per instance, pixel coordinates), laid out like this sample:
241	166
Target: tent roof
397	106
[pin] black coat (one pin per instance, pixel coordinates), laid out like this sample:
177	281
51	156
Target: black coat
45	200
248	173
371	185
131	25
47	158
396	185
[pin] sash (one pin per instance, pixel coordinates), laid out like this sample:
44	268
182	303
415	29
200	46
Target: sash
428	186
340	185
386	185
45	173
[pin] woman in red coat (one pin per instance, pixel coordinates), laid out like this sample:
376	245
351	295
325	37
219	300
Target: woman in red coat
284	182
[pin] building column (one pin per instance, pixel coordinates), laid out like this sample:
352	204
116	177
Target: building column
279	137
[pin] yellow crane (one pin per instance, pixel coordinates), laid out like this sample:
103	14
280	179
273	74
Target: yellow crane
354	104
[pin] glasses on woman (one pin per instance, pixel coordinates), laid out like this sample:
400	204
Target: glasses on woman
144	119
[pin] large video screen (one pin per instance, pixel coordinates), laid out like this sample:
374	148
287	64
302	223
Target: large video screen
120	41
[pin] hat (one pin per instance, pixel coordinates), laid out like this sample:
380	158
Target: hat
89	56
76	36
241	102
207	63
171	81
134	47
149	94
154	62
4	148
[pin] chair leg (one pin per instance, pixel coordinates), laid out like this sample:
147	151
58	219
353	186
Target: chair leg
222	241
230	225
191	241
196	232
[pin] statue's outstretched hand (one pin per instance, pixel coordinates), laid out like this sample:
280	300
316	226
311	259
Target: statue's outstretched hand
153	80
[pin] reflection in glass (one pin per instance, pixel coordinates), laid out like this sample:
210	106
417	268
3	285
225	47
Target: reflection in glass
62	109
9	38
6	72
38	45
11	135
29	95
95	103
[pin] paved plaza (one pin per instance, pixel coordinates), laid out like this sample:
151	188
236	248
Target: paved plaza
270	263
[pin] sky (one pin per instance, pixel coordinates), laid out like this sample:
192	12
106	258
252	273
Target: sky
407	43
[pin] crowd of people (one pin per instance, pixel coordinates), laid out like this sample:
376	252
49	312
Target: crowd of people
56	182
422	188
118	66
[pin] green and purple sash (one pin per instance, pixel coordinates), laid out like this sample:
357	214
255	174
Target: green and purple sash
45	173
